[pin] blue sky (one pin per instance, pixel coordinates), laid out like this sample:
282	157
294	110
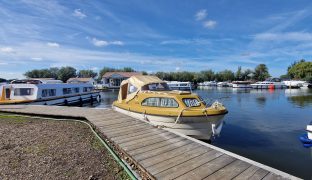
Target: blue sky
147	35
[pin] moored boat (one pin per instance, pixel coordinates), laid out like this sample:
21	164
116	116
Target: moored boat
294	83
224	84
150	99
47	92
271	83
241	84
177	85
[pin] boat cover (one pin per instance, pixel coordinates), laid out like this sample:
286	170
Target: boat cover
138	81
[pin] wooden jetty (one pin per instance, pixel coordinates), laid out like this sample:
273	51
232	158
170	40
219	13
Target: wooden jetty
158	153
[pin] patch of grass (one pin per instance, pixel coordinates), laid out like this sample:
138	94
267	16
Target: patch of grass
96	143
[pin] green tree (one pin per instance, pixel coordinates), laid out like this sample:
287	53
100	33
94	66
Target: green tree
144	73
301	70
238	74
225	75
87	74
247	74
261	72
66	72
128	69
208	75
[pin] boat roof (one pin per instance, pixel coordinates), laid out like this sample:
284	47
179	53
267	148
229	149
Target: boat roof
142	80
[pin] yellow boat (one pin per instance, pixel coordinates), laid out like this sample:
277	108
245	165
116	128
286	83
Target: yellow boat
148	98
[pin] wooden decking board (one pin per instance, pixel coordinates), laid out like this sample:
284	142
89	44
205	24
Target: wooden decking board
155	146
147	143
162	150
230	171
187	166
259	174
176	160
158	152
140	136
208	168
248	173
143	139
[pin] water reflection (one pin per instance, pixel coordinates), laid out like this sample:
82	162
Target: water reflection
299	97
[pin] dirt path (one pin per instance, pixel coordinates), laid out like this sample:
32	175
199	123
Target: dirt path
44	149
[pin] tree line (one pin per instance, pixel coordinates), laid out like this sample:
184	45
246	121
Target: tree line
298	70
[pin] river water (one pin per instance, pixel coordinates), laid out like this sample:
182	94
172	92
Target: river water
262	125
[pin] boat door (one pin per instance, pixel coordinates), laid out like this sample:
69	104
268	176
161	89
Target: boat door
7	92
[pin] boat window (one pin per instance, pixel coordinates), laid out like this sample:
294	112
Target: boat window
156	87
132	89
76	90
67	90
87	89
160	102
48	92
191	102
23	91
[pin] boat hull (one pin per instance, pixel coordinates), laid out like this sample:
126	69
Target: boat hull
200	127
76	100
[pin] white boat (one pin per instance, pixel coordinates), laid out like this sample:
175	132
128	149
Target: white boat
306	85
241	84
47	92
224	84
271	83
208	83
177	85
294	83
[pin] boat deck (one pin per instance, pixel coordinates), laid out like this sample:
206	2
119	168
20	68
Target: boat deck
158	153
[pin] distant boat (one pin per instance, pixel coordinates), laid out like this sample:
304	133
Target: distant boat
271	83
183	86
241	84
306	85
208	83
224	84
47	92
294	83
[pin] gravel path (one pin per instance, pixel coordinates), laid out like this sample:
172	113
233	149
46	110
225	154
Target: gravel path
45	149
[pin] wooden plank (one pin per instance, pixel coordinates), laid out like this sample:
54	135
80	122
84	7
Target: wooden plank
148	143
208	168
155	146
122	133
259	174
272	176
162	150
140	136
178	158
123	129
248	173
119	125
230	171
162	136
137	133
188	165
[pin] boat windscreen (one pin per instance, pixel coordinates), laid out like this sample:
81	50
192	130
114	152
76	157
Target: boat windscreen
156	87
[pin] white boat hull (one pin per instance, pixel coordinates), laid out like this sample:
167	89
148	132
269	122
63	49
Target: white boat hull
71	100
203	127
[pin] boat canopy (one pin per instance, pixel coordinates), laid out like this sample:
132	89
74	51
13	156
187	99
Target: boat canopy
130	87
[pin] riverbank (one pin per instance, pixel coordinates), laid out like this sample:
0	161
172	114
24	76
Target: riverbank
53	150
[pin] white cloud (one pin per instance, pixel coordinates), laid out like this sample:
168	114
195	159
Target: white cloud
3	63
119	43
79	14
36	59
6	49
210	24
288	36
186	42
53	44
101	43
201	14
177	68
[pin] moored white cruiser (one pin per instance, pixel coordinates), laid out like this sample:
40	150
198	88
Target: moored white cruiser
47	92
